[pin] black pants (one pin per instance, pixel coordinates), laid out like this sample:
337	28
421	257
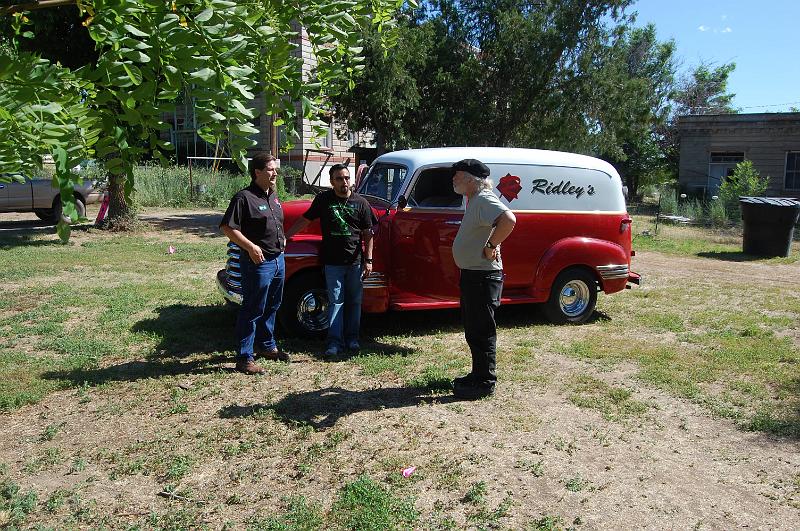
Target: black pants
480	297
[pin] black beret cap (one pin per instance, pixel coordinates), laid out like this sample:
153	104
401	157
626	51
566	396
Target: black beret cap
473	166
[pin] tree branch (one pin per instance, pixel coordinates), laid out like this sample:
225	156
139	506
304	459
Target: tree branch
37	4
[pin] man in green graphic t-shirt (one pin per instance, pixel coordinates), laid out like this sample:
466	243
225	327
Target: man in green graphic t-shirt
346	219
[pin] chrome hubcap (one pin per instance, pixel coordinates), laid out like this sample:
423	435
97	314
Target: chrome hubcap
574	298
312	310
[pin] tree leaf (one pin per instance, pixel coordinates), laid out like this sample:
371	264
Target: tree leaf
203	74
134	31
205	15
134	74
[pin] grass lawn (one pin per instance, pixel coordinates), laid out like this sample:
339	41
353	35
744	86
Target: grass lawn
122	409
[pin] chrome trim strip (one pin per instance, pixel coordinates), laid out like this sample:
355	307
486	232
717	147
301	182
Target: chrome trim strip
299	255
376	280
613	271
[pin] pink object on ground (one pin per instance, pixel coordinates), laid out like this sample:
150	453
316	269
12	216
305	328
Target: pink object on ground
408	471
103	209
171	250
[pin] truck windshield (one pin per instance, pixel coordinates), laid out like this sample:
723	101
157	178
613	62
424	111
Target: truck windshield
384	181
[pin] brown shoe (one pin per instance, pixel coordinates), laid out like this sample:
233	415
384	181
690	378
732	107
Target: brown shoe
249	367
275	355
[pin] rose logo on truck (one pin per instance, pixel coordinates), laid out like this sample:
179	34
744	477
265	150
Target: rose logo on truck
509	187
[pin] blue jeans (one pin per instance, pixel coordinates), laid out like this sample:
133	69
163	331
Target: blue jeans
262	291
344	308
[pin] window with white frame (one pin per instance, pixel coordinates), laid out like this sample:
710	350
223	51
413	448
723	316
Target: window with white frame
792	181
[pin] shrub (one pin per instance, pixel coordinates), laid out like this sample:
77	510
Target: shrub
745	181
691	208
717	214
158	186
668	202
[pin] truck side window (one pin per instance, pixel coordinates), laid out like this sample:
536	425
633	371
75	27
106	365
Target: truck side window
383	181
434	189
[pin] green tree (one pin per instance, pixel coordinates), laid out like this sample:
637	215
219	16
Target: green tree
636	85
570	75
704	91
219	53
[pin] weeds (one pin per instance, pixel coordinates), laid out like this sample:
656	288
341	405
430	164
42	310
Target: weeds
15	506
363	504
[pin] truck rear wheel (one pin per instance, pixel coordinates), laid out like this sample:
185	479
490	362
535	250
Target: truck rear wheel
573	297
304	310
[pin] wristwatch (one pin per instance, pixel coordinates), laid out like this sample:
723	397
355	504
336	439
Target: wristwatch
490	245
368	260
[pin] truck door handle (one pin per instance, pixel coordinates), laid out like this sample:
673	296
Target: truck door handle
453	222
2	186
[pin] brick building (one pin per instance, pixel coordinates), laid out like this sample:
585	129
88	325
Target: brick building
712	145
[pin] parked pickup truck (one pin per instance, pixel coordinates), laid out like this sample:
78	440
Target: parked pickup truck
572	238
41	198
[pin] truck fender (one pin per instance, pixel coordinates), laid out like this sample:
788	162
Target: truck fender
590	253
302	254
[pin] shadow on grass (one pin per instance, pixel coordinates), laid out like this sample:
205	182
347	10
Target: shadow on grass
28	234
731	256
191	338
781	424
184	332
323	408
203	224
417	323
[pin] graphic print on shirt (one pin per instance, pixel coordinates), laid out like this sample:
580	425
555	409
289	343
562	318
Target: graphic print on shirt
339	225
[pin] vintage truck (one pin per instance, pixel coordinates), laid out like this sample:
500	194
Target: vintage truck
572	238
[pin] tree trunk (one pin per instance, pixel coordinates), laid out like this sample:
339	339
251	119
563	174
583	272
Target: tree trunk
119	211
380	144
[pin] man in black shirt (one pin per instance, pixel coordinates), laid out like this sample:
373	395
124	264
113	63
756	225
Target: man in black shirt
254	222
345	218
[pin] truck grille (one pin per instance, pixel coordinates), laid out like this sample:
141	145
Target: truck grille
229	280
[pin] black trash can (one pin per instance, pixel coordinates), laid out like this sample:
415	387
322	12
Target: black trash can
768	225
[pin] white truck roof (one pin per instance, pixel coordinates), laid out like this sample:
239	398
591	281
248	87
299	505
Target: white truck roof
530	180
415	158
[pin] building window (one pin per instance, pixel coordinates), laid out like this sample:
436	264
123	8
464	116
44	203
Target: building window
721	165
792	170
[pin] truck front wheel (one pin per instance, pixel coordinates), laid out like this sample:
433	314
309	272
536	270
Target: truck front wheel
304	310
572	298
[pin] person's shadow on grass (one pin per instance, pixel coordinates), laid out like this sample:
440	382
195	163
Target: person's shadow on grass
191	339
323	408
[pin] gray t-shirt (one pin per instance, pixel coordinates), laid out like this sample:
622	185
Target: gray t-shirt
476	227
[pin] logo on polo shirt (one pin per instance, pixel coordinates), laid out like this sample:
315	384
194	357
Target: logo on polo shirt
262	207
